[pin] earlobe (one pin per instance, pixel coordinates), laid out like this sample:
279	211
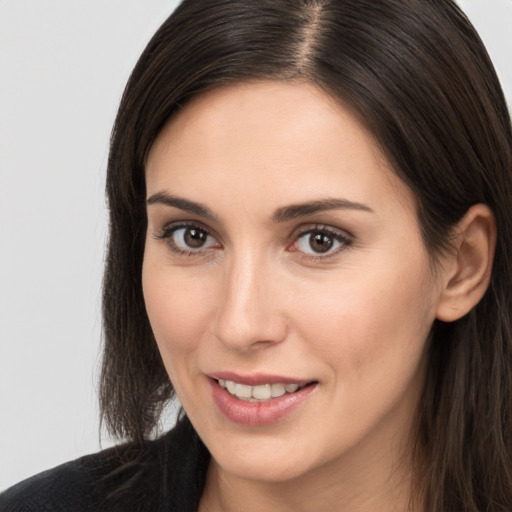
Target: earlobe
467	273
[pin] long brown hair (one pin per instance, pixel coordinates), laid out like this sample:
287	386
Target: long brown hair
420	78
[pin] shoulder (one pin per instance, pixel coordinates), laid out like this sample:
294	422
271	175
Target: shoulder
66	487
90	483
164	474
74	486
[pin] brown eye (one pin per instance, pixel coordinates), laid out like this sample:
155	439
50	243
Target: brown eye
195	238
188	239
321	242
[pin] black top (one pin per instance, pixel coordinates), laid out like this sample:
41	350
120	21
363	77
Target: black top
165	475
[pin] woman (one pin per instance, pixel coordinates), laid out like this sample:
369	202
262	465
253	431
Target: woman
309	245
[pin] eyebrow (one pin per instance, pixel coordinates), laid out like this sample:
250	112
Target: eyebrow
182	204
300	210
282	214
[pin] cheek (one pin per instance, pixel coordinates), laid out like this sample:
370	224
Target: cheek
370	324
178	305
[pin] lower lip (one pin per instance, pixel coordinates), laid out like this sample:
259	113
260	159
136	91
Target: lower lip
258	414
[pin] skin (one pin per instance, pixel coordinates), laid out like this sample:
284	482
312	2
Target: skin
256	298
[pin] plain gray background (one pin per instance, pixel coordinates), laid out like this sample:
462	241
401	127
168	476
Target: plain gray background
63	66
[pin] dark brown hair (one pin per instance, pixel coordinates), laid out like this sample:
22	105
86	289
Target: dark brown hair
418	75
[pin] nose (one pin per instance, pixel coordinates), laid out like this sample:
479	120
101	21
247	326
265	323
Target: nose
250	312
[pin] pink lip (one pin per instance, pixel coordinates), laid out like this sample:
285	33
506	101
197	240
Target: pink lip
256	379
257	414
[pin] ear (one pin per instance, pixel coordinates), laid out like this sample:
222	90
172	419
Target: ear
467	269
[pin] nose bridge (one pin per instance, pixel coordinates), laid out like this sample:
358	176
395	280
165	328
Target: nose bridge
248	315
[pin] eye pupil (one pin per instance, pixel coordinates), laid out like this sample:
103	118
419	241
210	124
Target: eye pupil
195	237
320	242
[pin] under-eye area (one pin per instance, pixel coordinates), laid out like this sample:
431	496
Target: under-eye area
314	242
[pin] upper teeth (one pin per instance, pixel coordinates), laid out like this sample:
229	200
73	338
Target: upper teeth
257	393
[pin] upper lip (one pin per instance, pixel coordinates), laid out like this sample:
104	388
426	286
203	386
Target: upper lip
256	379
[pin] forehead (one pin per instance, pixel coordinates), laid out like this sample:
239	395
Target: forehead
273	138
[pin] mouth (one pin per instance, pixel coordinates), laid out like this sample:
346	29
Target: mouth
258	400
261	392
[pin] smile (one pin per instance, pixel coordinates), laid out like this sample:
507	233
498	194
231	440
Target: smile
260	393
258	401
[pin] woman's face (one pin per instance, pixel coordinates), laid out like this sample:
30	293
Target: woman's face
283	253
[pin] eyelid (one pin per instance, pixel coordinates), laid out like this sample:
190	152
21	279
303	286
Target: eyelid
318	225
172	226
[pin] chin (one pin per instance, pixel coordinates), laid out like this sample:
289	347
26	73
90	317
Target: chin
262	472
277	466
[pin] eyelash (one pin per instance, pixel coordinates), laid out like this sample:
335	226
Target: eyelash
345	241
